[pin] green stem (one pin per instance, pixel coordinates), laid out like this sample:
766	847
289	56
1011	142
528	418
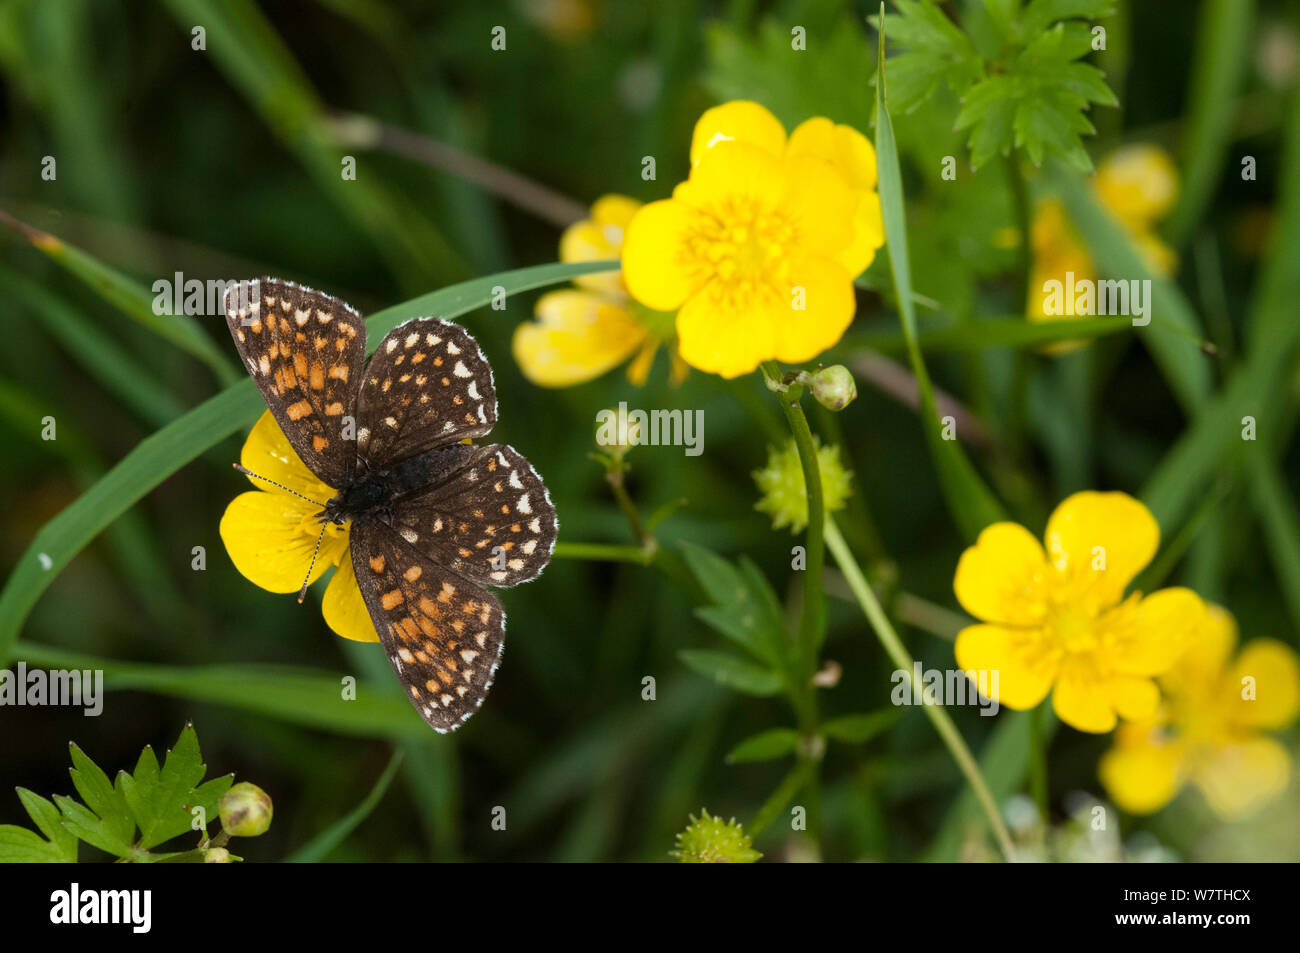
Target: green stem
602	552
900	656
812	622
1038	762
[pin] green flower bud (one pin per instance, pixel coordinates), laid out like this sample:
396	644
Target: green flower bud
711	840
245	810
216	855
781	482
833	387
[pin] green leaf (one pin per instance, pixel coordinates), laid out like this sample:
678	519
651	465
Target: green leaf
18	845
744	609
855	729
733	671
234	409
161	802
936	51
970	502
979	335
50	823
1280	522
110	825
1037	103
765	746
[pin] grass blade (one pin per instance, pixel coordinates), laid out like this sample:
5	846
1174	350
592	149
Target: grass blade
97	352
302	696
972	505
1223	41
320	846
1173	335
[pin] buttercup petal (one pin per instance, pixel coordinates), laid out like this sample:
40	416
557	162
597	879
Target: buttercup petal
731	173
742	121
271	537
818	312
1098	542
716	334
1238	780
1022	659
816	199
1144	774
1147	636
656	261
849	151
267	452
577	337
600	237
1274	676
1134	698
1139	183
868	235
1201	666
344	610
1082	696
1003	577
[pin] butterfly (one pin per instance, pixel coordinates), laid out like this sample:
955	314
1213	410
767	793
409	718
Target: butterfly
434	520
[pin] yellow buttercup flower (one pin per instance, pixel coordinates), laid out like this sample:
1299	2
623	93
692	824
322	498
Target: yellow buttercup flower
1056	619
1138	185
580	333
758	249
1210	728
271	533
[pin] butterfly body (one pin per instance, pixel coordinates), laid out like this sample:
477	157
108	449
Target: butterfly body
433	519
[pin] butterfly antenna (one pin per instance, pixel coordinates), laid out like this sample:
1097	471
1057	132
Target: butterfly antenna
302	593
258	476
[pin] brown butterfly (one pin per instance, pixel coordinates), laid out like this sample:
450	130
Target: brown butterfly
434	520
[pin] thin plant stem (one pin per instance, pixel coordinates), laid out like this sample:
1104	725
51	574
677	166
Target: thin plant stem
937	714
812	621
603	552
1038	762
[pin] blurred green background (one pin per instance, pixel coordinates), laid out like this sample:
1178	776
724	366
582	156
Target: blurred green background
220	163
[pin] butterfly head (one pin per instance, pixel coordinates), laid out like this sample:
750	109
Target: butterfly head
362	497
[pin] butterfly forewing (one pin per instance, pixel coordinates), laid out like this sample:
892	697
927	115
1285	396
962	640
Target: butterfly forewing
428	384
442	634
491	520
305	351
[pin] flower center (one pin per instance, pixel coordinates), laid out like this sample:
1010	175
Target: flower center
1075	630
745	245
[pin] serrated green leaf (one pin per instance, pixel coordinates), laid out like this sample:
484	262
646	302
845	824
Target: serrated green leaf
84	823
935	51
114	822
744	607
48	822
855	729
18	845
733	671
764	746
161	800
1040	14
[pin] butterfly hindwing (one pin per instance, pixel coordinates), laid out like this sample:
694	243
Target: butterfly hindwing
428	384
305	351
443	635
490	520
